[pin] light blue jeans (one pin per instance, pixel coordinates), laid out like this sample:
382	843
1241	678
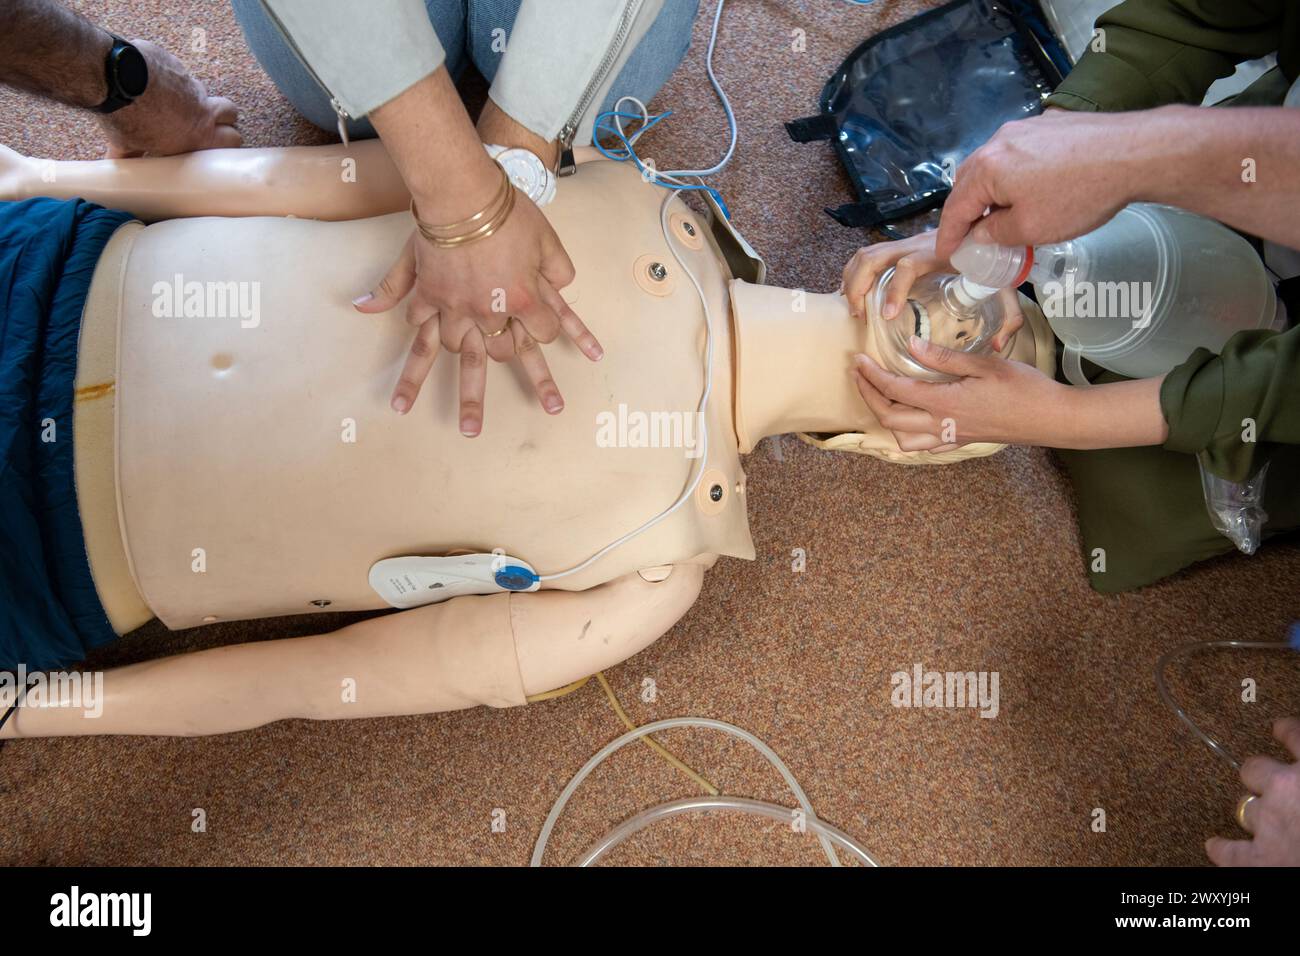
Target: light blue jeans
465	29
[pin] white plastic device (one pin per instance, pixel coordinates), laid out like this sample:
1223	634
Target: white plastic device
414	581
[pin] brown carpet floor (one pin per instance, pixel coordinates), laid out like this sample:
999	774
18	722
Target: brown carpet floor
802	660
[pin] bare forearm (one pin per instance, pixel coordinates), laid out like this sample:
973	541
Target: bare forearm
1240	166
45	48
209	692
1115	415
433	143
311	182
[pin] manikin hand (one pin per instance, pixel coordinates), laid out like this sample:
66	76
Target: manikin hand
175	114
1273	819
911	258
1045	179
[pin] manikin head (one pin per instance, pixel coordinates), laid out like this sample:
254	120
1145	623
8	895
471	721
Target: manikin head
794	365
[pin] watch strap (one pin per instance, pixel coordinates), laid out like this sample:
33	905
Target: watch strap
116	99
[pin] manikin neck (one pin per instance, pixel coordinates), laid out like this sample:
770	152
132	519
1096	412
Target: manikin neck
794	354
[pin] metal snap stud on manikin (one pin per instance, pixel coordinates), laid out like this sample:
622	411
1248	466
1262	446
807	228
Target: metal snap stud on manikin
657	271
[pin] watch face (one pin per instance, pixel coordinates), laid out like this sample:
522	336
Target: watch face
131	72
526	171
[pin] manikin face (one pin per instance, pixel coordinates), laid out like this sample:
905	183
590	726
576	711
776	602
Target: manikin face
935	315
931	322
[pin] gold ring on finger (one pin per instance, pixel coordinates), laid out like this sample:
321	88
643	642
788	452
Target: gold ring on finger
1242	804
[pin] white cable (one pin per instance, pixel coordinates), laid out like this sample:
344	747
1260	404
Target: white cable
635	734
673	176
701	411
618	120
726	106
760	808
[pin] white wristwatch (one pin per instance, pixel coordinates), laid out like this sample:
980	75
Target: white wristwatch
527	171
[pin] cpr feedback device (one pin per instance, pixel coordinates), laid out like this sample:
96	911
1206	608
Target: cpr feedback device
408	582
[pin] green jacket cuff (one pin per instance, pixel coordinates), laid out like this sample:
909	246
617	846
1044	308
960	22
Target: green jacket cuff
1236	408
1072	101
1105	83
1191	398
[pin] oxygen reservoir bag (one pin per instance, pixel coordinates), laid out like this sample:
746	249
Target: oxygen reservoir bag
913	101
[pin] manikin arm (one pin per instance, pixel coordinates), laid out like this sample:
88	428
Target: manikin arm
495	650
311	182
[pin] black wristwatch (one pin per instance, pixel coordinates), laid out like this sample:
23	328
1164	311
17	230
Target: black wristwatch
127	75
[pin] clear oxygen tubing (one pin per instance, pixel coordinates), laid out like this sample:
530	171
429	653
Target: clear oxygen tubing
701	411
544	837
757	808
1163	687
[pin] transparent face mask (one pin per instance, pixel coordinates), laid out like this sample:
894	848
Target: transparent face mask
935	312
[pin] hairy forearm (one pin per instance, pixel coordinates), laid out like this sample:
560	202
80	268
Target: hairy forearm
1240	166
45	48
1115	415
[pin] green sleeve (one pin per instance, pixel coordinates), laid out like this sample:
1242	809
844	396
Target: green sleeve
1217	403
1159	52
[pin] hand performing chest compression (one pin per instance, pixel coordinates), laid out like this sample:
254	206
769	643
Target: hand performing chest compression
486	282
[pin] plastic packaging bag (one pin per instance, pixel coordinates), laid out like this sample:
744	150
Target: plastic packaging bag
910	103
1234	506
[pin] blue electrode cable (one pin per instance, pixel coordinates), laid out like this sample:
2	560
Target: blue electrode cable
611	122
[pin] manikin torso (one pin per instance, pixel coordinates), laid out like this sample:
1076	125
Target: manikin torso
259	469
244	462
259	465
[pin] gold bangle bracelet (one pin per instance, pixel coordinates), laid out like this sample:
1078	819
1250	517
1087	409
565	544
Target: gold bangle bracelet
497	199
482	232
501	201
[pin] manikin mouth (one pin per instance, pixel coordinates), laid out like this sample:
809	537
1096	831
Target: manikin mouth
920	320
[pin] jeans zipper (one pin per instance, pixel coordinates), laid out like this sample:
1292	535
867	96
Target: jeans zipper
570	129
335	105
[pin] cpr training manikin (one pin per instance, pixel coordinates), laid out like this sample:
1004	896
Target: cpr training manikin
248	465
